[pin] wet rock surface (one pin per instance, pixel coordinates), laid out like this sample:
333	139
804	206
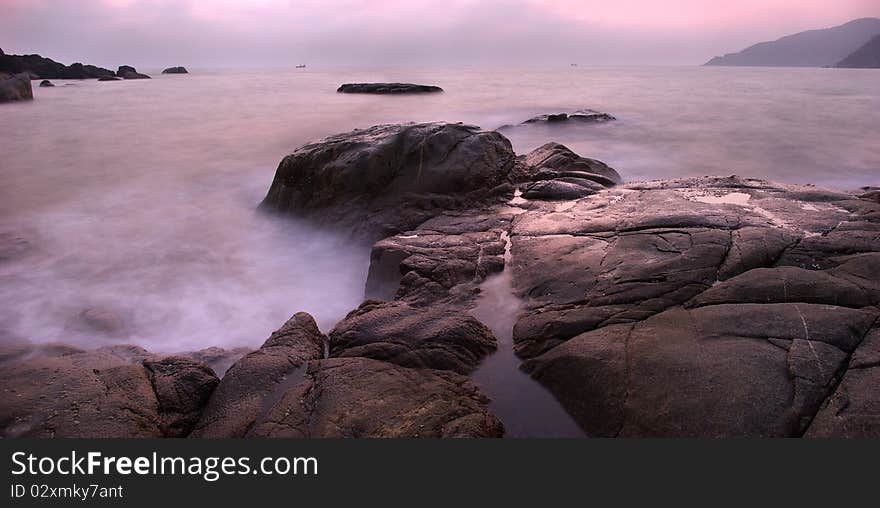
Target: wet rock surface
388	88
389	178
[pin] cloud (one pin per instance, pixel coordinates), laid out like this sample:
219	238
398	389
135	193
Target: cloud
153	33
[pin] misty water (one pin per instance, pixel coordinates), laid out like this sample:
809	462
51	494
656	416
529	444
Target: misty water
131	205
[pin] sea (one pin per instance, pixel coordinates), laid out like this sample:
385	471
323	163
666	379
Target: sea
128	209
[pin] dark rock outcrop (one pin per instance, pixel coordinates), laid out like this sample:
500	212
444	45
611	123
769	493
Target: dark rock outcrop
387	88
119	391
46	82
38	67
434	337
129	72
866	57
390	178
15	88
175	70
109	78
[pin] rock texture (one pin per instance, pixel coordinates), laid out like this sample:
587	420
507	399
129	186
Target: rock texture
119	391
253	383
129	72
435	337
15	88
284	389
390	178
717	306
388	88
38	67
175	70
360	397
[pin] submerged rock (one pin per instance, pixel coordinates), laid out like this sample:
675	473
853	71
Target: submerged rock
175	70
129	72
46	82
15	88
389	178
387	88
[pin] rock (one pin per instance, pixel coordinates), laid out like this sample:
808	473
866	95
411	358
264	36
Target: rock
387	88
129	72
554	160
581	115
38	67
46	82
254	383
15	88
390	178
175	70
182	387
853	409
435	337
716	306
364	398
443	261
119	392
705	372
109	78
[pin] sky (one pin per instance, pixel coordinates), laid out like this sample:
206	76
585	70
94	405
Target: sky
282	33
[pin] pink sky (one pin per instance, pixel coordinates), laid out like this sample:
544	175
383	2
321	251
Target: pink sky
276	32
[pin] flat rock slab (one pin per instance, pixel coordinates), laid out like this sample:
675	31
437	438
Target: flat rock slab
388	88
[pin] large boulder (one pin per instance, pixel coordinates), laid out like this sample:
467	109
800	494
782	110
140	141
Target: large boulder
112	392
175	70
15	88
387	88
436	337
390	178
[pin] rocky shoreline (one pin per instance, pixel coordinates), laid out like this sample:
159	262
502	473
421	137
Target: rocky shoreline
715	306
